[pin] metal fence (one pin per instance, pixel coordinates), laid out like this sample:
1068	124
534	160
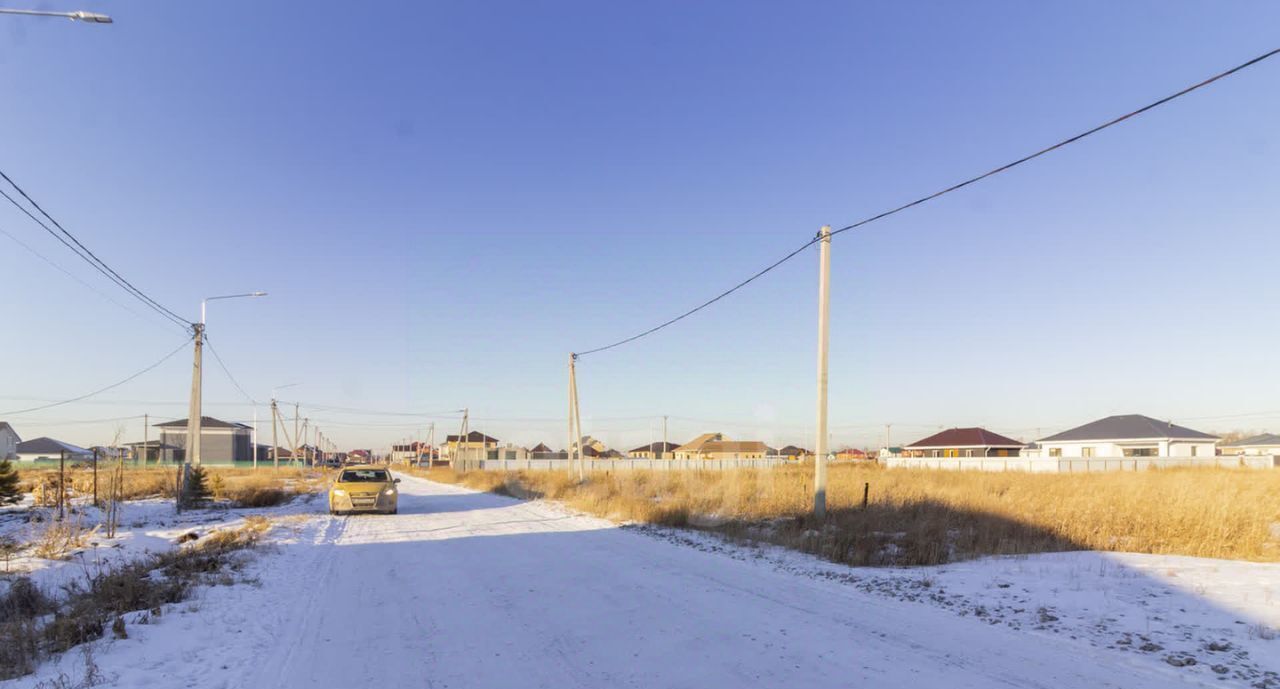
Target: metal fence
626	464
1068	465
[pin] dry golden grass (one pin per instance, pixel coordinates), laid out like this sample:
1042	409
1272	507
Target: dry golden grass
917	517
245	487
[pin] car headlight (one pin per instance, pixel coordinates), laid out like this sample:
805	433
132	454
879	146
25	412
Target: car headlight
339	492
389	491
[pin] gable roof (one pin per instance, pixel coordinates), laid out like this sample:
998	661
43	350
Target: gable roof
4	426
655	447
966	437
792	450
698	442
541	447
205	422
1264	440
472	437
1129	427
49	446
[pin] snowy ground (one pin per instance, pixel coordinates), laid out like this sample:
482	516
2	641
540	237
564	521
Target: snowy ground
464	589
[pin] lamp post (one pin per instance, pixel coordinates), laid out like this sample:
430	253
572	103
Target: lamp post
80	16
197	380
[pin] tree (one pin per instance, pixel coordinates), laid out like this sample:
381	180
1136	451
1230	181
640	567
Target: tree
197	486
10	493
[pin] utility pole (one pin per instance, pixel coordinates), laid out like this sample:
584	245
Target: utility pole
194	410
887	443
575	421
275	444
664	438
146	423
253	437
824	304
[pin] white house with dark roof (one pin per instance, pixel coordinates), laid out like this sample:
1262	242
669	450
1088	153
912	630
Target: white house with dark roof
1129	435
1265	444
50	450
8	441
221	442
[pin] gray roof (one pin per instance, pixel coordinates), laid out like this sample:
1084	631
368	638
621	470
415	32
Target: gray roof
49	446
1129	427
205	422
1264	440
4	426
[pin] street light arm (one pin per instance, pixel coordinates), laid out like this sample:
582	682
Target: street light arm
81	16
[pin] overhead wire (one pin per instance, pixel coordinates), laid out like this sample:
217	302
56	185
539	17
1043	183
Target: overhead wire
101	390
227	371
78	248
924	199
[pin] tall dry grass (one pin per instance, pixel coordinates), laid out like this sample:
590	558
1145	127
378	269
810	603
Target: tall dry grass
244	487
918	517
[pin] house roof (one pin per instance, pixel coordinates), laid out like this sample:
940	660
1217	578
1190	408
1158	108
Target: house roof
1129	427
655	447
734	446
698	442
541	447
1264	440
49	446
4	426
205	422
966	437
792	450
472	437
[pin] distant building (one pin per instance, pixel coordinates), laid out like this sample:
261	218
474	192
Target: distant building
1129	435
50	450
8	441
965	442
475	445
792	452
151	452
1265	444
221	442
850	454
714	446
659	450
510	451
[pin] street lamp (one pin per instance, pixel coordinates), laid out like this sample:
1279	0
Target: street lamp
197	380
80	16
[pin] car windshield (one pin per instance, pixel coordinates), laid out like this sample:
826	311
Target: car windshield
364	476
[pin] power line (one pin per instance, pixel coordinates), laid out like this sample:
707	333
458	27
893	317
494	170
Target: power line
948	190
227	371
84	253
66	272
96	392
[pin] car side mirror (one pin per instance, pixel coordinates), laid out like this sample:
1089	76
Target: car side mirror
396	481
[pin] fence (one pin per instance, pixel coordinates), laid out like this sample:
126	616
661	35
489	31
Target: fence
593	464
1067	465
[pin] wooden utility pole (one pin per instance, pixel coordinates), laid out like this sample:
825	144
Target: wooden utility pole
146	423
663	451
62	484
824	308
95	477
294	455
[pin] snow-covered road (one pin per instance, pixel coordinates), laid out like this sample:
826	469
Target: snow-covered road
465	589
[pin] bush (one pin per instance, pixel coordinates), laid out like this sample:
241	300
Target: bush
10	491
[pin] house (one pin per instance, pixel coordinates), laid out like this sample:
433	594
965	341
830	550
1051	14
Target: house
1128	435
221	442
8	441
151	451
660	450
714	446
406	453
1265	444
542	451
50	450
510	451
475	445
792	452
850	454
965	442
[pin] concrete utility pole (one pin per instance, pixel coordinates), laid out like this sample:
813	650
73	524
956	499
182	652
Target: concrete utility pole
575	422
194	411
275	443
663	451
294	455
146	422
824	308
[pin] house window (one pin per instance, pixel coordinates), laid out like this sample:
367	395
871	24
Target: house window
1086	452
1055	452
1139	452
1195	450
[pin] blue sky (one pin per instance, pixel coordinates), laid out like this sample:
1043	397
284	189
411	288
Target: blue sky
444	199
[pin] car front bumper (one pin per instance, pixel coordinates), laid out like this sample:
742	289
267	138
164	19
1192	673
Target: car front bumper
358	502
